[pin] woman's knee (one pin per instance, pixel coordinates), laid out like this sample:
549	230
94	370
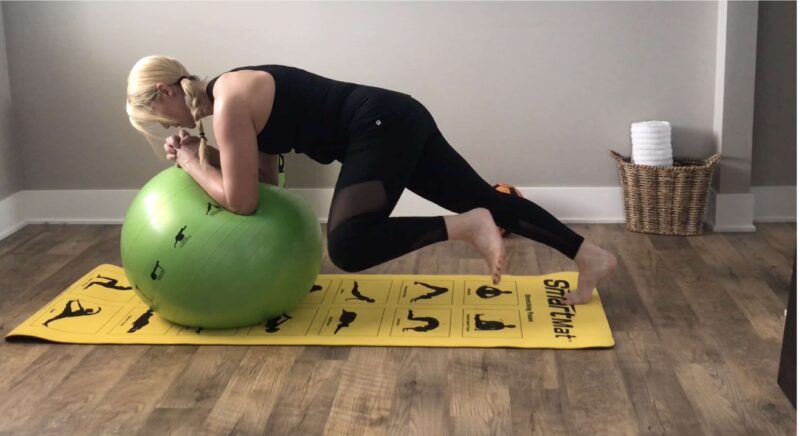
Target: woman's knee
343	261
344	243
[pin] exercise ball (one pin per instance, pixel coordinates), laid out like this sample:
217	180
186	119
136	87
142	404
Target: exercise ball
197	264
505	188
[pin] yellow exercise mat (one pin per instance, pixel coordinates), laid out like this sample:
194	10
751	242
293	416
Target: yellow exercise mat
346	309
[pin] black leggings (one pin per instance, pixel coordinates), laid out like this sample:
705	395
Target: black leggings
393	144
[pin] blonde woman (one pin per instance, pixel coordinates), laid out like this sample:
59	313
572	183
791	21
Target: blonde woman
386	141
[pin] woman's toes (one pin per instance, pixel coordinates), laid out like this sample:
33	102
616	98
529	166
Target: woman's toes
577	298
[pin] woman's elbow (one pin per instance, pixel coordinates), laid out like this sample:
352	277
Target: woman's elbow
244	209
249	211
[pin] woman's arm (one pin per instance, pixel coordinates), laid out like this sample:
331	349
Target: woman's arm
210	179
267	166
238	152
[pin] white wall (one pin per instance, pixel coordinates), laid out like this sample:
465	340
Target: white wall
530	93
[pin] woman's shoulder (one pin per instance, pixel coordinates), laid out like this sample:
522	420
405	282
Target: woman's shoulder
242	82
255	90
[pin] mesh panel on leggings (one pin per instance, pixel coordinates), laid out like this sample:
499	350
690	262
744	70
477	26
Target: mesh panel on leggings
445	178
354	200
526	218
361	234
561	242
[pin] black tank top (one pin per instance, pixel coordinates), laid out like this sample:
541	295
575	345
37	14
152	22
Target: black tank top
305	115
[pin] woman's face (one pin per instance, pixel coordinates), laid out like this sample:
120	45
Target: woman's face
170	103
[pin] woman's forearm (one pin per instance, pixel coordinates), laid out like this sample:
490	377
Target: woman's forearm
267	167
210	179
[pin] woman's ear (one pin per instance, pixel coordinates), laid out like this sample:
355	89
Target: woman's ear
164	89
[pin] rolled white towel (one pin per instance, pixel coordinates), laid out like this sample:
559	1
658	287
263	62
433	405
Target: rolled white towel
651	127
646	146
652	144
651	135
639	156
651	141
658	148
645	149
651	152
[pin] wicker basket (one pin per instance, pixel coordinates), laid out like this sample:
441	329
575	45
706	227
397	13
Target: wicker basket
666	200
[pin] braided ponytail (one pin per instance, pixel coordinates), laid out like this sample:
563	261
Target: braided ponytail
194	105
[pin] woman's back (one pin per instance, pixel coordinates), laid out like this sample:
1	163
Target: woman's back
304	113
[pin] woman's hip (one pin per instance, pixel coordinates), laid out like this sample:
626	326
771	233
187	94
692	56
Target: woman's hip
371	111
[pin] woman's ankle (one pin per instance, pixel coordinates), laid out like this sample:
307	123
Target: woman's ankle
456	227
461	227
585	252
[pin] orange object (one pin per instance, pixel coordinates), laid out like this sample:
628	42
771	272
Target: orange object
510	190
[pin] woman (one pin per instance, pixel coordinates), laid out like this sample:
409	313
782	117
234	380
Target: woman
385	140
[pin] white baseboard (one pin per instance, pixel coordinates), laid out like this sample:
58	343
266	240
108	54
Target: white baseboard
570	205
730	212
12	217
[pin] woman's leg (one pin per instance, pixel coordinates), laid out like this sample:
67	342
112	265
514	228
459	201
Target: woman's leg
443	177
401	147
387	135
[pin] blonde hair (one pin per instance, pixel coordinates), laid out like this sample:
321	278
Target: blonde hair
142	81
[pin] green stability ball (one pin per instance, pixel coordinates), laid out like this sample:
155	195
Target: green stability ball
199	265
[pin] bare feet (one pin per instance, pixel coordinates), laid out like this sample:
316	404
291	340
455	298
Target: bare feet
594	264
479	229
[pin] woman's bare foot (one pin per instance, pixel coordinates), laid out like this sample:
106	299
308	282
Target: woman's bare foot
479	229
594	264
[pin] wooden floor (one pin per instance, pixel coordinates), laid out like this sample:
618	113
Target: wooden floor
698	323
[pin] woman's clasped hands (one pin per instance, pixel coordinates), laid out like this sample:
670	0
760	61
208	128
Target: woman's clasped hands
182	148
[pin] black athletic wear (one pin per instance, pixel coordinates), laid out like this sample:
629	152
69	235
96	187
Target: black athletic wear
305	113
388	141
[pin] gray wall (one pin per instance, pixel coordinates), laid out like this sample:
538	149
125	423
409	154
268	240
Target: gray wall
532	94
11	175
775	106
